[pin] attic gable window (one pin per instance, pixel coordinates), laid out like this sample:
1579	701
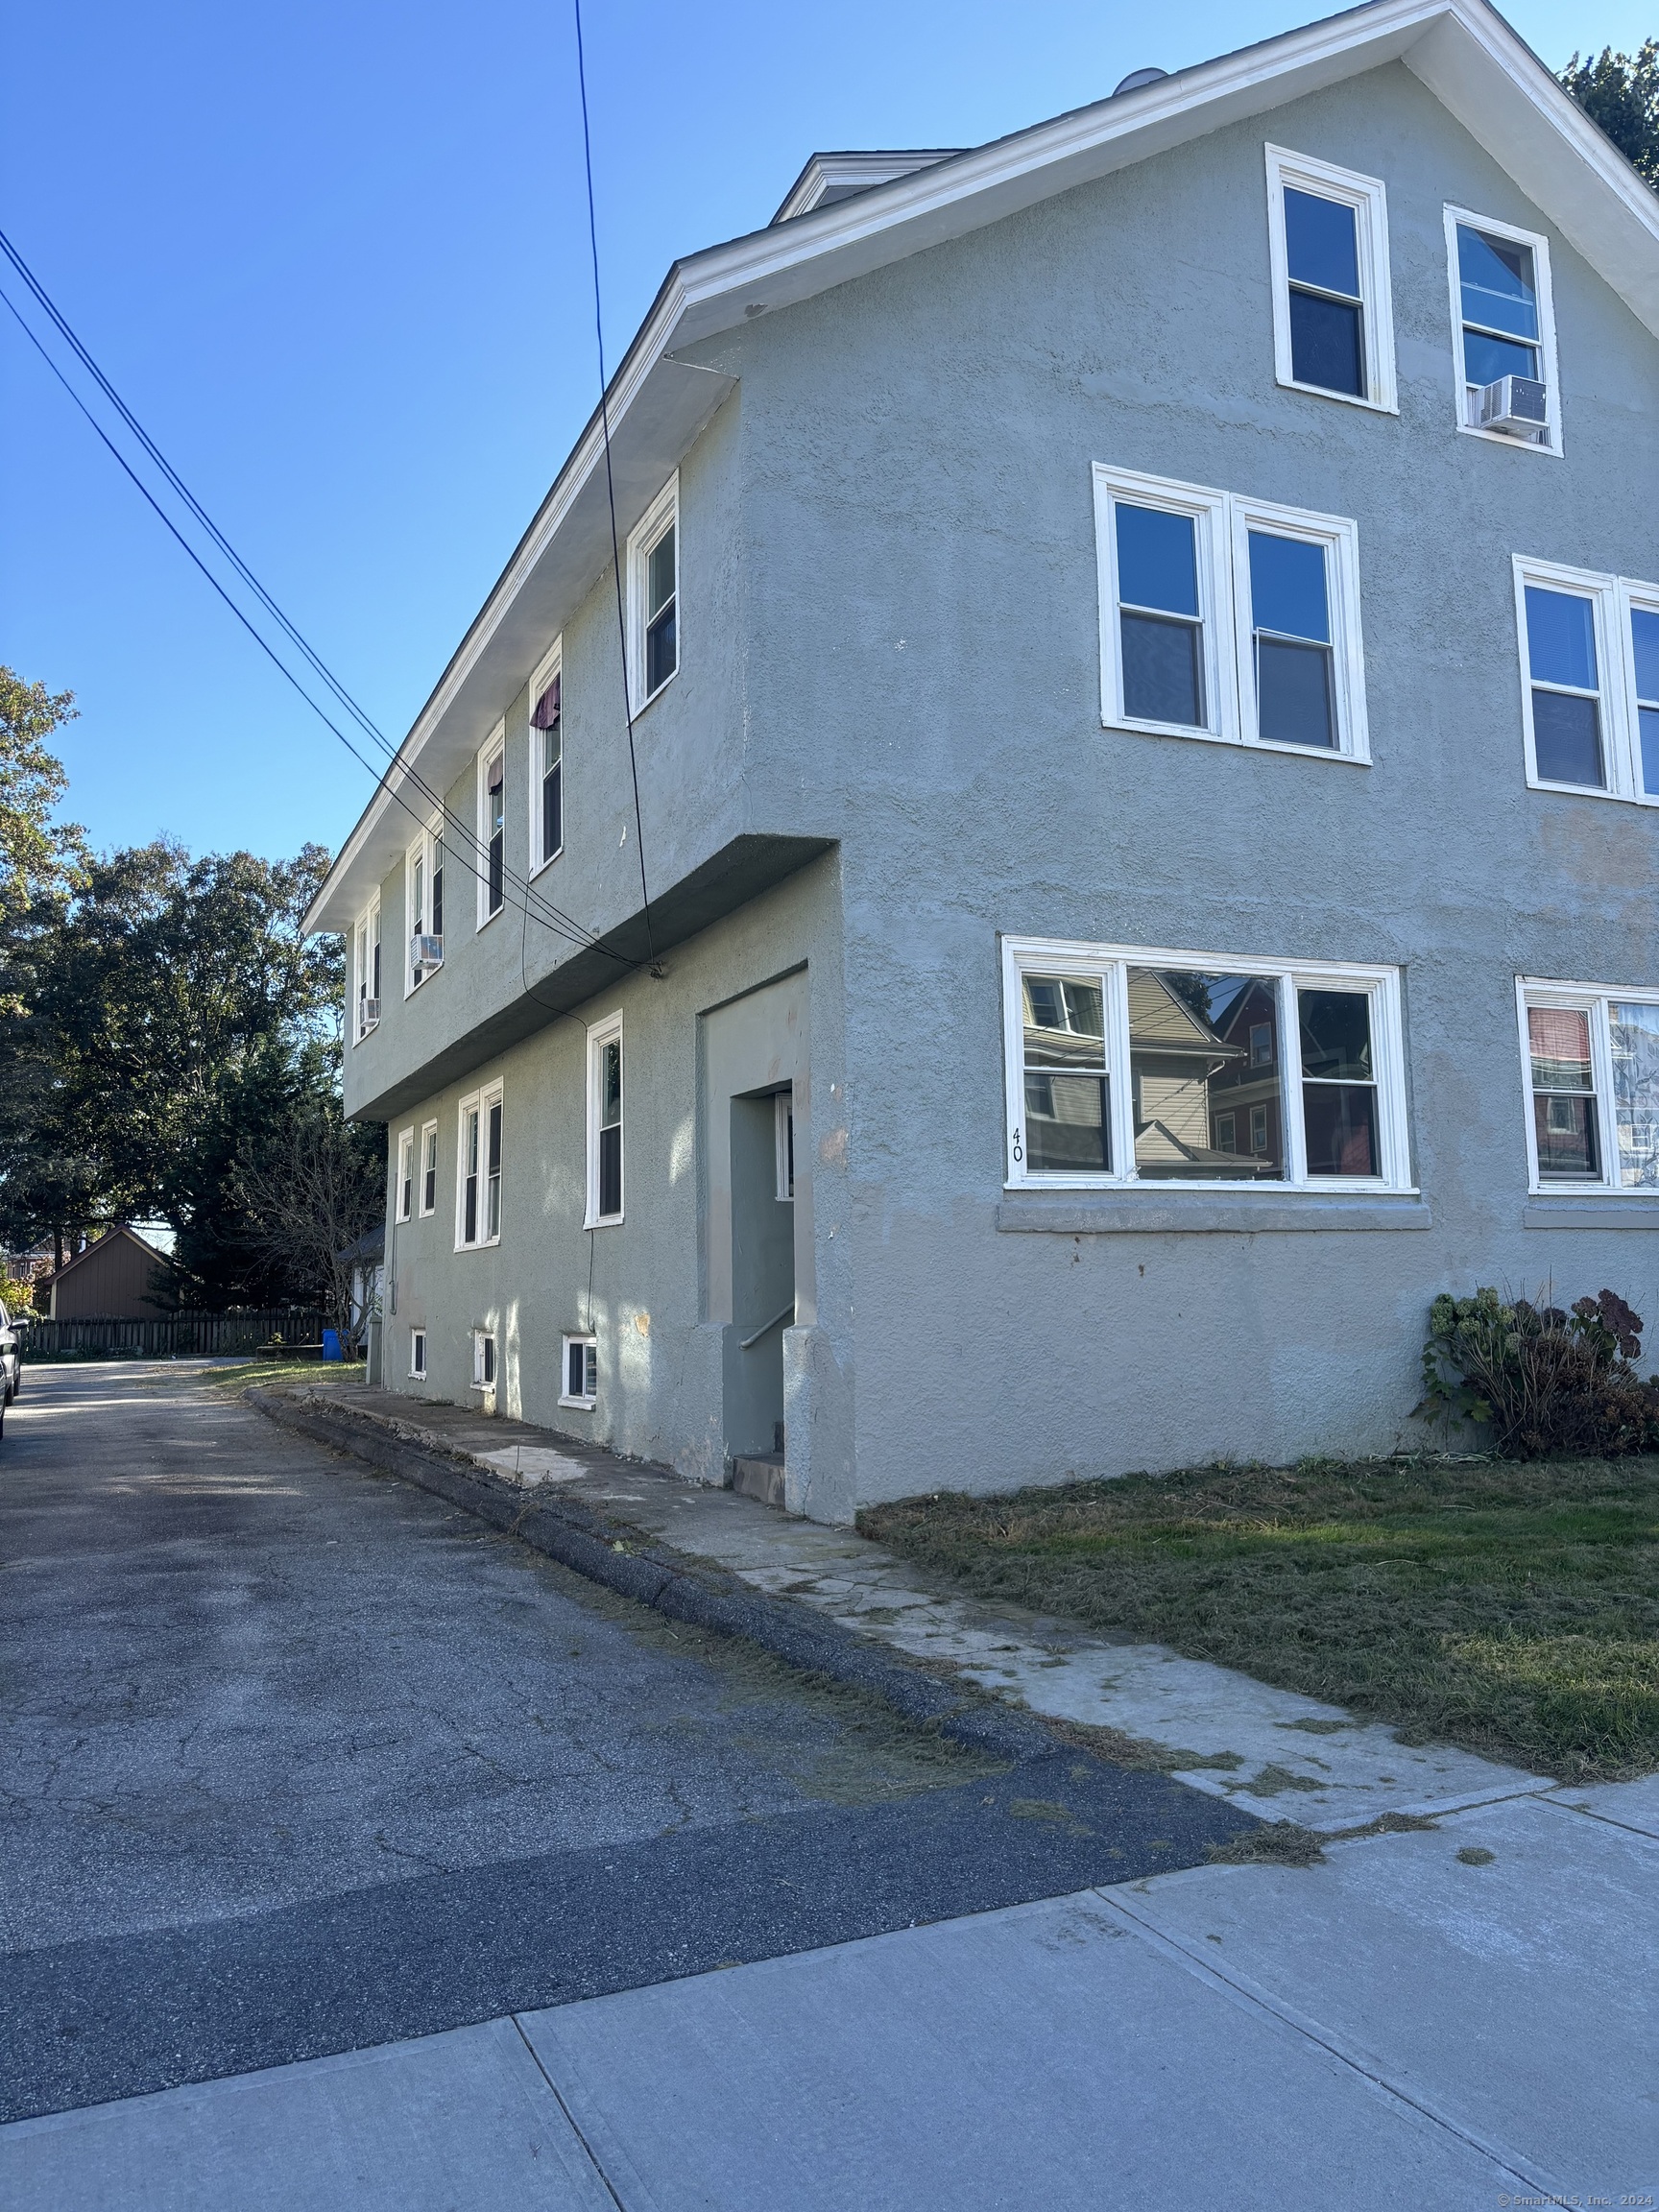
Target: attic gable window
1130	1068
1328	250
546	763
1502	333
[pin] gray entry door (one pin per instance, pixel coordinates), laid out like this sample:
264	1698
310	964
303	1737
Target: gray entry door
762	1277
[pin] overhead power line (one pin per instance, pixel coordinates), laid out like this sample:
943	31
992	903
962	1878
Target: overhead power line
459	834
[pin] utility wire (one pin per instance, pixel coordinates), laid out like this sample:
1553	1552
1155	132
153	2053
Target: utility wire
459	833
611	490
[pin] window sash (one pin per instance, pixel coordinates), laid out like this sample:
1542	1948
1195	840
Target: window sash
405	1175
581	1370
1108	969
492	1174
1224	524
429	1169
1367	198
1625	757
1465	325
1623	1125
654	595
606	1095
492	826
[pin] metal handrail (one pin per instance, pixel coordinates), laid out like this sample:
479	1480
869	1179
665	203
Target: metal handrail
787	1315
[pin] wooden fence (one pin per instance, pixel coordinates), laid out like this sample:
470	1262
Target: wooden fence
201	1333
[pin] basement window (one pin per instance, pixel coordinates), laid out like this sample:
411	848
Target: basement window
483	1360
1129	1069
581	1372
418	1355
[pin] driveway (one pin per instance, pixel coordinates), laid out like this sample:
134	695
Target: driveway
298	1761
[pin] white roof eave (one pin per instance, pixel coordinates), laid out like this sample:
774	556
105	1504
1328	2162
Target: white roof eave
1484	75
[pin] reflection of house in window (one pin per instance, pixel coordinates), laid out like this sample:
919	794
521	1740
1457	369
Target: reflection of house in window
1192	1055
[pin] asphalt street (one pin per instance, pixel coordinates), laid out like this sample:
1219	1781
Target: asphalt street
297	1760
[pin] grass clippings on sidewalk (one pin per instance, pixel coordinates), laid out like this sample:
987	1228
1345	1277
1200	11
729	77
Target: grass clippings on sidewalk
1512	1608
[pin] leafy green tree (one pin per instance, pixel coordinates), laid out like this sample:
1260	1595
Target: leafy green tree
40	858
1621	92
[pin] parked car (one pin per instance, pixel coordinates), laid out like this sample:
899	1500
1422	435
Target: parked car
12	1333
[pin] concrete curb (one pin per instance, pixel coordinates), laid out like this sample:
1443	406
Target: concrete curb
696	1591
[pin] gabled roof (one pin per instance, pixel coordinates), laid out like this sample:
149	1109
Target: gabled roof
101	1244
1462	50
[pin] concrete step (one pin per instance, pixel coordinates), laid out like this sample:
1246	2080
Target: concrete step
758	1474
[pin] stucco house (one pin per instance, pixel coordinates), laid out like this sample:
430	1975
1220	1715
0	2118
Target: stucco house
1110	854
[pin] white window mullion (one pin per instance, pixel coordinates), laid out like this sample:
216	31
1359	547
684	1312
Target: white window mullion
1120	1085
1290	1079
1607	1117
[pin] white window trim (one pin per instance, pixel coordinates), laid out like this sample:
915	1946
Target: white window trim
1108	965
1223	524
417	1355
599	1035
363	938
428	1129
481	1337
1595	1000
420	848
493	749
479	1102
588	1401
1368	196
663	512
1551	443
552	664
1614	599
405	1176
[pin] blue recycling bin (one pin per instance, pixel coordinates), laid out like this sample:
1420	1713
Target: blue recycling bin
331	1344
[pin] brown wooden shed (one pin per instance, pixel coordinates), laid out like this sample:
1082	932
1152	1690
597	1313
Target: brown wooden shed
113	1279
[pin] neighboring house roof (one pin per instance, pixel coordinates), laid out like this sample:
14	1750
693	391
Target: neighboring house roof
1462	50
120	1229
369	1249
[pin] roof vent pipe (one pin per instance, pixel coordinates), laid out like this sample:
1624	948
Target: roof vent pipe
1137	78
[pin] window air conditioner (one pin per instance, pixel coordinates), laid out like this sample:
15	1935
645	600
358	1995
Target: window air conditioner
1515	404
425	954
370	1012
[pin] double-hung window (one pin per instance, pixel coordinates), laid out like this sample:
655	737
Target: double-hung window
1129	1068
1228	618
654	594
1592	1060
491	827
429	1169
1328	250
546	763
367	998
1590	681
423	896
605	1122
1502	333
405	1194
478	1171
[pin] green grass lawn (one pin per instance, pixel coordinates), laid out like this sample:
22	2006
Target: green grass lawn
1511	1608
239	1377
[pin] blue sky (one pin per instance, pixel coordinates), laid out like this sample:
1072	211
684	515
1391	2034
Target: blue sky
335	259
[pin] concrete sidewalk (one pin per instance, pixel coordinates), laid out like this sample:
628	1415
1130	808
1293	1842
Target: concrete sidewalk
1271	1752
1452	2018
